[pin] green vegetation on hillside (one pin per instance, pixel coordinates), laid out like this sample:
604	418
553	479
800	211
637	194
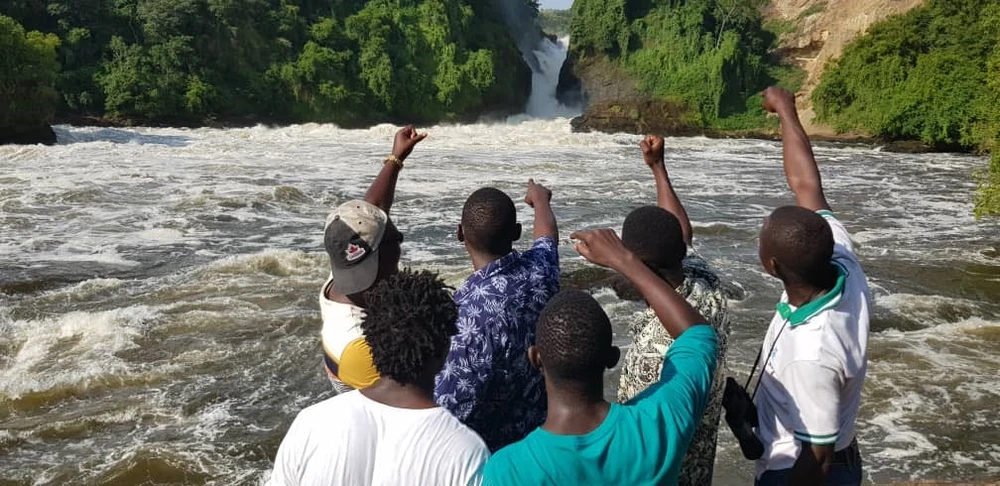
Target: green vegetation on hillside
709	55
28	70
932	74
346	61
555	22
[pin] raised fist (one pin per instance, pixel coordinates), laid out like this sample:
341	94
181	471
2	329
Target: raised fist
652	149
776	99
406	139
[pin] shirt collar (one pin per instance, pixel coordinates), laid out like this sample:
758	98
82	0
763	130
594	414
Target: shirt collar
489	271
829	300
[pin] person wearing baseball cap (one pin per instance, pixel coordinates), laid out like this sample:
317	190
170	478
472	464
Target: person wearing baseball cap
364	249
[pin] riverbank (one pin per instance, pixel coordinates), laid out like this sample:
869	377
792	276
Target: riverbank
641	116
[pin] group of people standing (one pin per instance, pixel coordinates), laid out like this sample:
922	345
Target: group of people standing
502	381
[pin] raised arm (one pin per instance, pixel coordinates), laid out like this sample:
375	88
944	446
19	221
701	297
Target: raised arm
666	198
604	248
800	164
539	198
383	190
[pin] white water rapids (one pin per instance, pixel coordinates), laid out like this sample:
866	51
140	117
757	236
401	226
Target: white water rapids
158	314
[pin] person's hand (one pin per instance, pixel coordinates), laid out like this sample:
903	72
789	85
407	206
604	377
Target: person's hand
406	139
777	99
602	247
652	150
537	193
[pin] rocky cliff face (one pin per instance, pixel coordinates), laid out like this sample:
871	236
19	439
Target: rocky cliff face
822	28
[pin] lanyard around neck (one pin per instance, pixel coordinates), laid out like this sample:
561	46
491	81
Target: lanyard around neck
764	367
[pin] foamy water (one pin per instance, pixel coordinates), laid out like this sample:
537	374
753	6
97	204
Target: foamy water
158	314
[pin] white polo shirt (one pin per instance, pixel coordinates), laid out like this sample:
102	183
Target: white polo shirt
810	390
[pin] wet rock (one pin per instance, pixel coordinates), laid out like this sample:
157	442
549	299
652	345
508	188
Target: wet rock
594	278
639	116
31	135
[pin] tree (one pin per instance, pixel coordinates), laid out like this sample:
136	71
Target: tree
345	61
922	75
28	71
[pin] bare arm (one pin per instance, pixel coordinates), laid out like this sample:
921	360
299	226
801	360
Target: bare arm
382	192
812	465
603	247
539	198
666	198
800	163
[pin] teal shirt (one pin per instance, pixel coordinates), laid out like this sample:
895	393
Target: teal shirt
640	442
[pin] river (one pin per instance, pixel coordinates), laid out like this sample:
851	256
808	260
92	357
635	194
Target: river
158	295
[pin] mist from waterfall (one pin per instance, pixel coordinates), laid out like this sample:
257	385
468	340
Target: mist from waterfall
549	56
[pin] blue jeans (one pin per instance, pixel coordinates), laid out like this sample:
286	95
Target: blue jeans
839	475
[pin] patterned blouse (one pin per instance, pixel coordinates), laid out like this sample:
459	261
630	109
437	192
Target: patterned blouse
644	361
487	381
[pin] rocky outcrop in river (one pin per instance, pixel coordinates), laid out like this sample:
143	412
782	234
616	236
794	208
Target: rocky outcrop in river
38	134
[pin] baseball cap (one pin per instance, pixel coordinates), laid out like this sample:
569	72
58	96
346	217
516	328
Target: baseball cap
352	237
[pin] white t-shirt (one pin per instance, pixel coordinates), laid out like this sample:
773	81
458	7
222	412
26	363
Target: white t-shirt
810	390
353	440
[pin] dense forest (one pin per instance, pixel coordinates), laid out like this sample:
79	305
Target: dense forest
710	56
932	74
555	22
351	62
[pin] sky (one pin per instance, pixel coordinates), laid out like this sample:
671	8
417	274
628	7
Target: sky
557	4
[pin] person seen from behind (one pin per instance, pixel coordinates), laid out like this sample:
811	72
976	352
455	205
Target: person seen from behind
390	433
815	352
661	237
364	249
585	439
486	381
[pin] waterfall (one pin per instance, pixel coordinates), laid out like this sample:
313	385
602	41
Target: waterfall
543	55
549	56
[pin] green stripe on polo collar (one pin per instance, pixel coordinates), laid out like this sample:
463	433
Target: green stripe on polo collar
816	439
828	301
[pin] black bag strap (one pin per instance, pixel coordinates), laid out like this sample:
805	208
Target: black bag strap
764	366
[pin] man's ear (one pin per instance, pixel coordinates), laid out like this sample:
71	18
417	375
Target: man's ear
774	269
534	357
517	232
613	356
460	234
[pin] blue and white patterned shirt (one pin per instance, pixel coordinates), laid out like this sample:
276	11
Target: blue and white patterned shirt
487	381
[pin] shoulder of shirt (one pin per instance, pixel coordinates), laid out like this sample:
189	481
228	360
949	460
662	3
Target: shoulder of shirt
330	405
463	436
694	258
540	244
507	454
700	330
340	306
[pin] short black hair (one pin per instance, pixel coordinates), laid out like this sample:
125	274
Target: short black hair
573	337
408	324
800	240
489	221
655	236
